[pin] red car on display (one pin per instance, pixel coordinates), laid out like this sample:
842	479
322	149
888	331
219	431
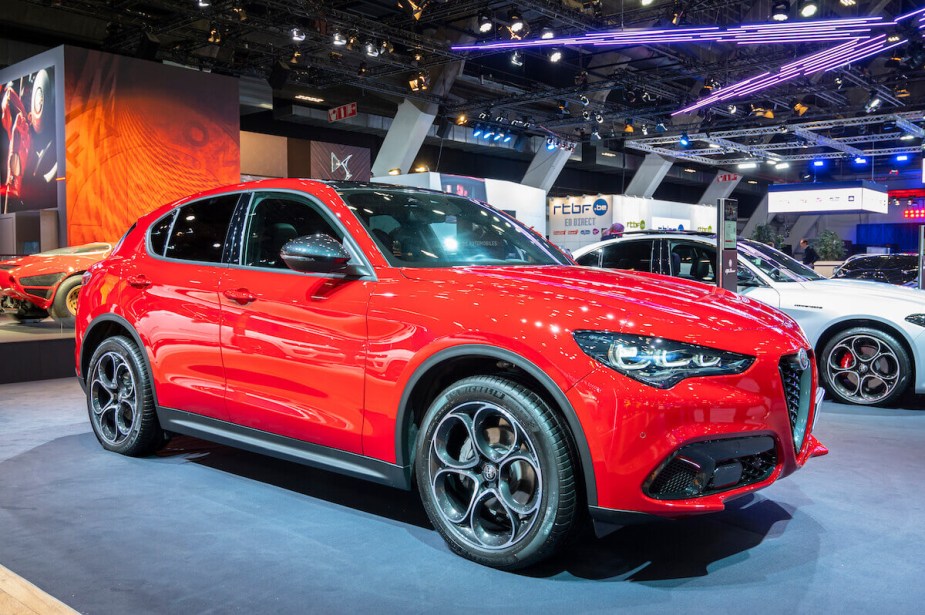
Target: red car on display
407	336
34	286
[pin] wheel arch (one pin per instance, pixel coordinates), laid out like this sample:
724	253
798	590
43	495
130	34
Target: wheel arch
106	326
450	365
842	325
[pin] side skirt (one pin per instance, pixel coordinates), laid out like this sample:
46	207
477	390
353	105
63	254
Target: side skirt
282	447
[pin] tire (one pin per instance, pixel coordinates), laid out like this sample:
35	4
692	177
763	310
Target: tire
865	366
120	401
496	473
64	307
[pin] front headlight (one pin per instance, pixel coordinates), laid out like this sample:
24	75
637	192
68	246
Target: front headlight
656	361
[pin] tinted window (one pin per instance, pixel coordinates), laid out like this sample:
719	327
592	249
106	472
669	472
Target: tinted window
776	265
200	229
635	255
275	219
692	261
430	229
159	232
591	259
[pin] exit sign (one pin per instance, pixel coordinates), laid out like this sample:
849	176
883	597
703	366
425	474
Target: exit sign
342	112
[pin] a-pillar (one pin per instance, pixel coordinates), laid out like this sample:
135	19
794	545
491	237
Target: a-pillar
648	176
404	139
545	168
721	187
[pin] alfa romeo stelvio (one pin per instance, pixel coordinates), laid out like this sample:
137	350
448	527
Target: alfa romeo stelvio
411	337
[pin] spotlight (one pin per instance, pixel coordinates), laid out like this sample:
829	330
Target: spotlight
362	70
628	127
498	135
297	34
584	100
485	22
339	39
417	56
395	171
204	4
732	109
809	8
780	11
555	54
860	160
507	137
419	82
902	158
677	13
489	133
893	37
586	115
563	107
684	140
818	164
839	82
461	119
550	144
547	33
800	108
660	128
645	2
780	166
517	22
708	86
215	36
386	47
599	118
477	132
847	2
595	134
873	103
747	165
645	130
371	49
517	58
239	12
296	56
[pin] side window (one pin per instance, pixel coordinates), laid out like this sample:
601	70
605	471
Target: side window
158	233
591	259
634	255
200	229
276	218
692	261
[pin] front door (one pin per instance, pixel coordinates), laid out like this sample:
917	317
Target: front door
294	344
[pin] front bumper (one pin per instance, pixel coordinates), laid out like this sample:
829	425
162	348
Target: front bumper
691	448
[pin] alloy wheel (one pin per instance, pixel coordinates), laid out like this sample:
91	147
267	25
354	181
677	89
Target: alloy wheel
71	300
485	476
113	398
863	368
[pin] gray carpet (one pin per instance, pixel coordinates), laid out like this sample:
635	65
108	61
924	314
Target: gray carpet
202	528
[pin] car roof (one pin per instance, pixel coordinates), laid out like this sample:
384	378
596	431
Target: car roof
695	236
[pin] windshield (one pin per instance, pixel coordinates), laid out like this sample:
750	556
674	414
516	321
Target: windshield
429	229
774	264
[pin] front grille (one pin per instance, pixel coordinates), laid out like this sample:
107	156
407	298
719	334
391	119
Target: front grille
797	383
705	468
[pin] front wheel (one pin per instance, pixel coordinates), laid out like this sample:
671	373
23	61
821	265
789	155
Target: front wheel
495	470
865	366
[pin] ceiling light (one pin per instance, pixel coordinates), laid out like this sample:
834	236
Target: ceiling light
684	140
204	4
677	13
550	144
586	115
477	131
461	119
517	58
818	163
599	118
386	47
907	137
555	54
800	108
395	171
362	69
309	98
809	8
517	22
860	160
371	49
584	100
628	127
485	22
782	165
847	2
713	146
339	39
296	55
645	129
902	158
780	11
873	103
690	170
751	181
747	165
421	168
595	133
609	154
297	34
732	109
547	33
660	127
419	82
498	135
239	12
489	133
215	36
645	2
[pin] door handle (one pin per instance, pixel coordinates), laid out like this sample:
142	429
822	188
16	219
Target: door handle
138	281
241	295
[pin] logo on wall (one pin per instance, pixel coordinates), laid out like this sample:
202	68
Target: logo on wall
641	225
600	207
341	164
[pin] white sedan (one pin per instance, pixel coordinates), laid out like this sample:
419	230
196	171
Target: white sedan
869	337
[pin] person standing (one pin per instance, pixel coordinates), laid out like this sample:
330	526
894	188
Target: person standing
809	253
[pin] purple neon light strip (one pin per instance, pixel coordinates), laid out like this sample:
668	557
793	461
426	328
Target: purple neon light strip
867	55
908	15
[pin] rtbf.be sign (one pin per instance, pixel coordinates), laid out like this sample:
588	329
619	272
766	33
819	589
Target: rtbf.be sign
342	112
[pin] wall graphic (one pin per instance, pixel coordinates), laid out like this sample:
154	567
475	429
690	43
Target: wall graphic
141	134
335	161
578	221
28	142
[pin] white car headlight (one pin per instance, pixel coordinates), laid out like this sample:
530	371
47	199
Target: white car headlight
656	361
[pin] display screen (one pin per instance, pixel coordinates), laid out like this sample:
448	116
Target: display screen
28	147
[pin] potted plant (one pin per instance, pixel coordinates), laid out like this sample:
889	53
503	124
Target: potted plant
831	250
767	234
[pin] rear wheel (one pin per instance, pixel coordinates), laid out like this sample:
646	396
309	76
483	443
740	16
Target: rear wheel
64	307
865	366
495	471
120	401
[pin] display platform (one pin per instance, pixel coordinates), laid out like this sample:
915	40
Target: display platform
36	350
201	527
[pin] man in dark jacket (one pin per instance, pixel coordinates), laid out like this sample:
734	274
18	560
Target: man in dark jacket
809	254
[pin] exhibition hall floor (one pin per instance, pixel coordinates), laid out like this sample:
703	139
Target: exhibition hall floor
205	528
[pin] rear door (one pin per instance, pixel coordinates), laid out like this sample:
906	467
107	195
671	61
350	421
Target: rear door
294	344
633	255
171	295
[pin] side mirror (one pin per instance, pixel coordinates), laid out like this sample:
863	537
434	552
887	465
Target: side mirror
318	254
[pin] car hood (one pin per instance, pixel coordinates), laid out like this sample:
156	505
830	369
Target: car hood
872	293
623	301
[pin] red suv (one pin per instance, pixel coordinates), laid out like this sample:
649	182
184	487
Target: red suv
407	336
